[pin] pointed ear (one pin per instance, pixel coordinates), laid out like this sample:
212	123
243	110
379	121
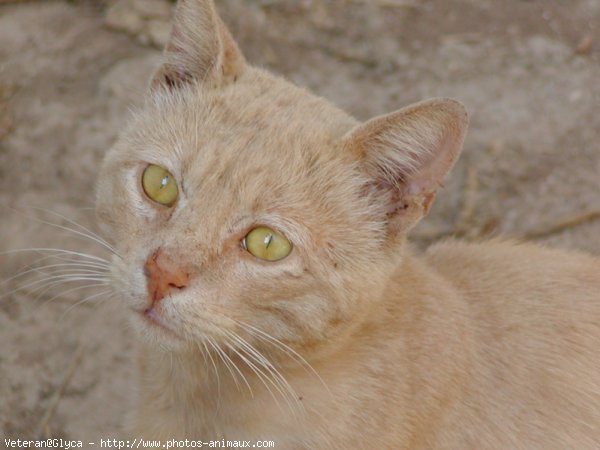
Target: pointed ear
200	48
405	156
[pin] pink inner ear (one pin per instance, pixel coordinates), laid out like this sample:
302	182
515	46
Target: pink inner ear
170	77
396	198
406	154
412	149
176	77
432	171
200	48
396	205
173	74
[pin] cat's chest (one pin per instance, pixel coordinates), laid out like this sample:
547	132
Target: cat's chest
199	406
214	419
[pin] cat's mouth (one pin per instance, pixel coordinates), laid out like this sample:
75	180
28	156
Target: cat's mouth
152	318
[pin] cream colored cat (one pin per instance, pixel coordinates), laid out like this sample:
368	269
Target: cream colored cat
262	242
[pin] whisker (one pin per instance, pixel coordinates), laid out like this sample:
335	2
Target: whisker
78	263
77	288
56	250
74	271
285	348
280	383
87	299
240	372
77	224
75	276
278	344
97	239
204	357
59	257
261	376
220	353
81	266
70	258
216	374
37	295
54	280
66	271
172	368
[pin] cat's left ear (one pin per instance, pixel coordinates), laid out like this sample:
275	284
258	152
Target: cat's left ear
405	156
200	48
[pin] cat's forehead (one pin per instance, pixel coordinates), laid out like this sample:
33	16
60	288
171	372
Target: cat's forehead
260	144
260	117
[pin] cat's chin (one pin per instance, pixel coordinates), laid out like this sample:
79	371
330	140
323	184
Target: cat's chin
152	329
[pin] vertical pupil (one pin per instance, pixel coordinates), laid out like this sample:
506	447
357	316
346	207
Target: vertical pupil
164	181
268	239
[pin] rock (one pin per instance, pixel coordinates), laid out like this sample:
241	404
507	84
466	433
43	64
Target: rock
6	124
158	32
123	17
127	80
148	20
585	45
150	9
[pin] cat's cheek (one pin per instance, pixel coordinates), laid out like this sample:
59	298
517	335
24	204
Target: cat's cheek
251	267
129	282
139	289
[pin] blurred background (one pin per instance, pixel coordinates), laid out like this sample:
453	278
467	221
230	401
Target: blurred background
528	71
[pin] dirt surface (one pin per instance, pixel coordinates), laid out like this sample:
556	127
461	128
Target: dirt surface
528	71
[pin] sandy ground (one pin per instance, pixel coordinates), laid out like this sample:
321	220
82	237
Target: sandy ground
528	71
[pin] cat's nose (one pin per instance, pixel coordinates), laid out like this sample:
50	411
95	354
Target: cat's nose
163	275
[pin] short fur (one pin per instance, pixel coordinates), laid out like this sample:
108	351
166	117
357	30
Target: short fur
352	341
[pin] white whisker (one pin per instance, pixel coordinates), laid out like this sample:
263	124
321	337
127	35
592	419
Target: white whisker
87	299
66	272
259	373
88	235
32	265
216	374
46	283
77	288
80	266
73	222
56	250
240	372
278	380
283	347
222	355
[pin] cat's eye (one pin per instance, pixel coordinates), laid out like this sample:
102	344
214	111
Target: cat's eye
267	244
159	185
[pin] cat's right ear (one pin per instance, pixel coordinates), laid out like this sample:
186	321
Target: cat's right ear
405	156
200	49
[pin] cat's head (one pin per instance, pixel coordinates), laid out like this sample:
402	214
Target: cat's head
241	204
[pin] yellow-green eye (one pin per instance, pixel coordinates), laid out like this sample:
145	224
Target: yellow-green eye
159	185
267	244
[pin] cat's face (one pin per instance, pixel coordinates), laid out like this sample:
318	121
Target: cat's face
242	150
256	153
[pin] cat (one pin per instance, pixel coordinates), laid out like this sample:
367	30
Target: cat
263	258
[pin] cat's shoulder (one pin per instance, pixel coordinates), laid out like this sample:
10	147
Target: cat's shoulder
504	248
499	258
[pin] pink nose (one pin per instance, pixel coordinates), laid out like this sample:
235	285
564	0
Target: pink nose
163	275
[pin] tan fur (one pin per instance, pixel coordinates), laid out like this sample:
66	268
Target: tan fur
491	345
